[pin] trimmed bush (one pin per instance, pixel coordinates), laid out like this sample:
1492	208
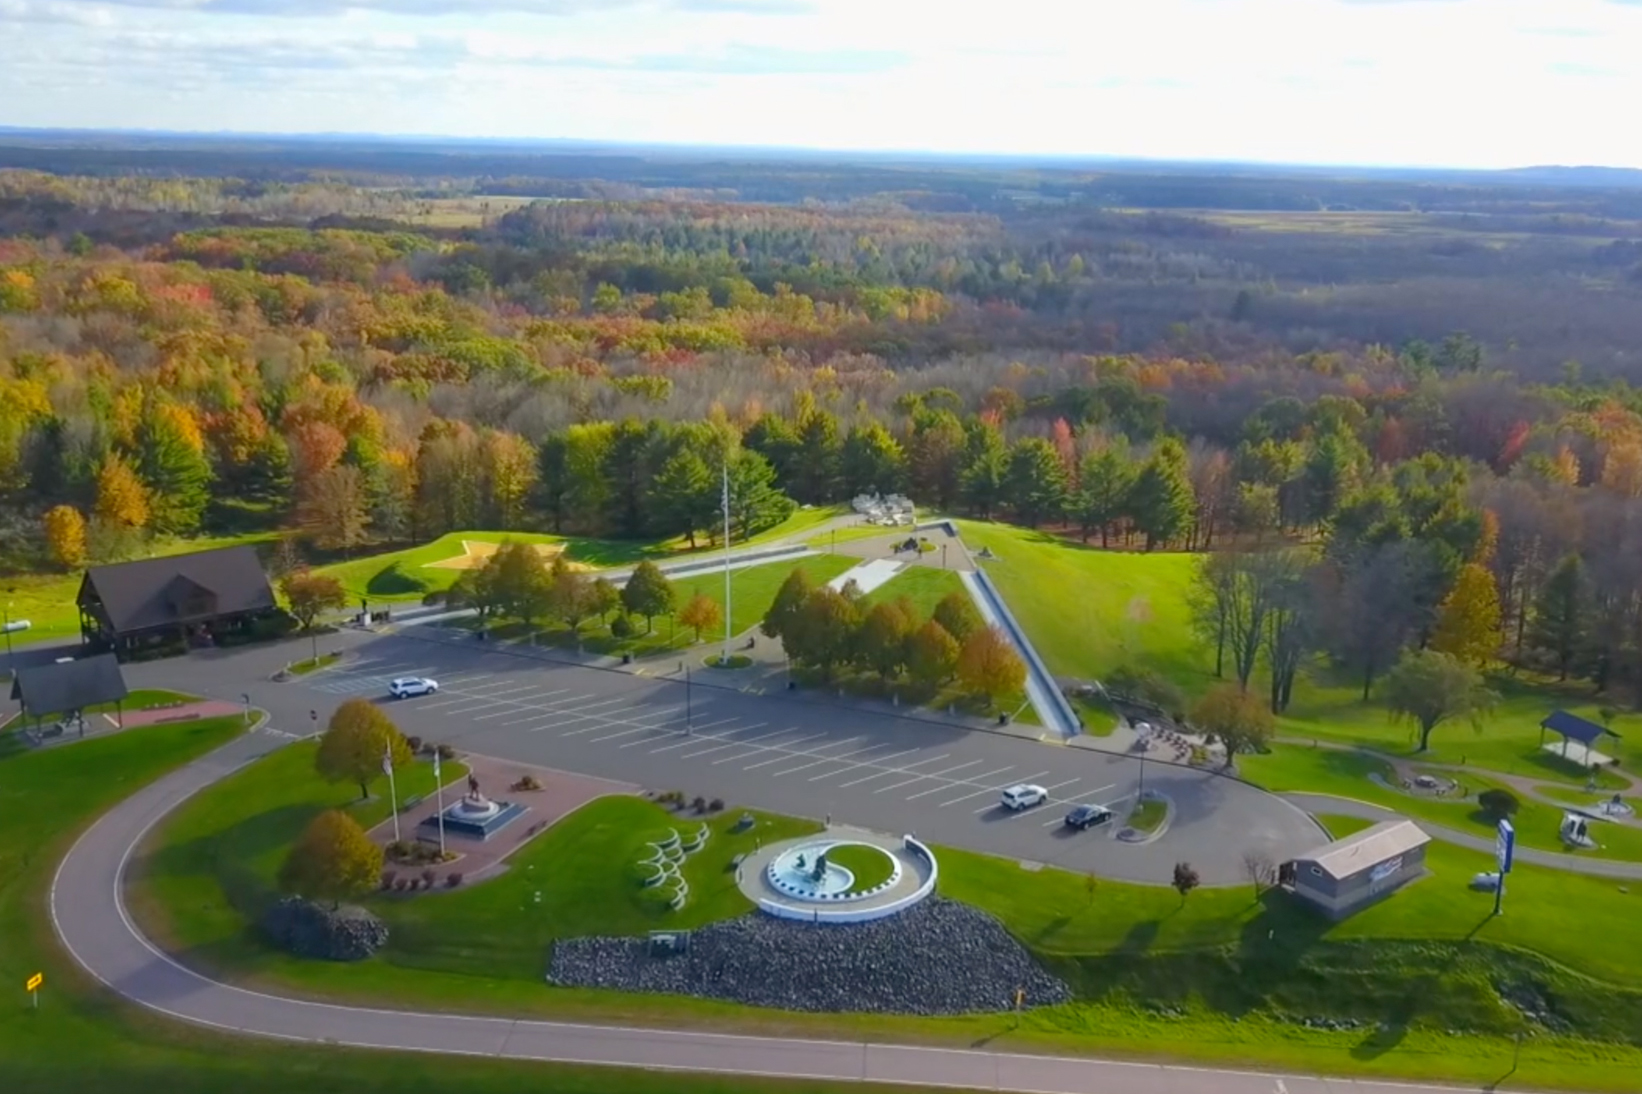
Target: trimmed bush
452	880
1498	804
716	805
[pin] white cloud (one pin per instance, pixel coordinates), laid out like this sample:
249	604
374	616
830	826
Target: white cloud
1464	82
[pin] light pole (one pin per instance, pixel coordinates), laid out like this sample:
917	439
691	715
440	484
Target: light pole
688	715
943	556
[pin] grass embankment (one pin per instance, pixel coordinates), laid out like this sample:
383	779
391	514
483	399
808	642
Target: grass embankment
1218	975
83	1039
314	664
924	586
1090	611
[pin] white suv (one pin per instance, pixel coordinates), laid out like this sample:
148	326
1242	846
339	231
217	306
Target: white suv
1024	796
407	687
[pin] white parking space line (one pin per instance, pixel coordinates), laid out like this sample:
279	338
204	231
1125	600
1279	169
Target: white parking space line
819	759
546	695
694	737
786	749
622	733
950	783
556	706
990	789
917	776
713	736
707	751
580	714
803	767
756	748
877	761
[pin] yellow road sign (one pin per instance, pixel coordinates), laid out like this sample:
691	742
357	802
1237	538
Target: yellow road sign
36	980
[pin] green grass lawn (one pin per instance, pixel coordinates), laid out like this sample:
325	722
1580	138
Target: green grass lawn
1294	767
752	590
1230	971
1148	815
312	664
406	574
143	699
214	860
1090	611
924	586
870	866
83	1039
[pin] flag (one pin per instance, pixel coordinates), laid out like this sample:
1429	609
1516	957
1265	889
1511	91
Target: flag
387	759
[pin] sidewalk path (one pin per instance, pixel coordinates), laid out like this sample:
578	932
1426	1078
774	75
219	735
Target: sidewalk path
102	937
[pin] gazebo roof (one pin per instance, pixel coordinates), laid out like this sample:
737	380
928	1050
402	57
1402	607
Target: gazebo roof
69	685
1576	728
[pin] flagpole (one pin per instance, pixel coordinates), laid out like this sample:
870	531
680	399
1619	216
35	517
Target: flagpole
393	790
724	658
439	802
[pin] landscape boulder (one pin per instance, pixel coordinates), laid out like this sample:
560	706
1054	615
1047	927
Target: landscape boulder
307	929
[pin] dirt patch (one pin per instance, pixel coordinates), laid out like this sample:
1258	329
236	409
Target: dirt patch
1139	610
476	552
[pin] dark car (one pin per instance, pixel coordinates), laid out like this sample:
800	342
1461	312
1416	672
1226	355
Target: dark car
1087	816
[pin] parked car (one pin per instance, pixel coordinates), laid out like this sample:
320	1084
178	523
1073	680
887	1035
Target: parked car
1087	816
1024	796
408	687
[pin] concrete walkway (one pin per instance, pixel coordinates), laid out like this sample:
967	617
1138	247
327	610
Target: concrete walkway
102	938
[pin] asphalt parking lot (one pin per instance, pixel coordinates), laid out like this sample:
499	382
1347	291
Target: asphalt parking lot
770	752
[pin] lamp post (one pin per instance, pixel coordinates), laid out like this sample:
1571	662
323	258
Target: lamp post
688	716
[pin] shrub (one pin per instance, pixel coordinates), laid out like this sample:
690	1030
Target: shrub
699	804
388	877
415	744
1498	804
446	752
621	627
401	884
400	849
428	878
716	805
452	880
528	782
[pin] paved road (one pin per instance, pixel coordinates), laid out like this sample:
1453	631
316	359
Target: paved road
770	752
1578	864
88	909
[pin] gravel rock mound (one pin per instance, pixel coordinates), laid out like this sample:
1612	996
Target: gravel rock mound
938	957
314	930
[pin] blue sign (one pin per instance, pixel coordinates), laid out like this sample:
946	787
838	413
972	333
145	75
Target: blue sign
1505	846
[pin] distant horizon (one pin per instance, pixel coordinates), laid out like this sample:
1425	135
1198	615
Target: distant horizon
1062	160
1463	85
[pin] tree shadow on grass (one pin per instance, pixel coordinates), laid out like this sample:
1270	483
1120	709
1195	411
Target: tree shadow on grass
394	581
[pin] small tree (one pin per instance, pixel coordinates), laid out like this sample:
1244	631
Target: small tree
569	596
932	655
1468	621
604	598
355	741
956	613
1498	804
122	499
1242	722
989	666
1185	880
332	860
701	613
648	593
1429	688
881	640
823	631
789	601
65	532
1261	870
307	594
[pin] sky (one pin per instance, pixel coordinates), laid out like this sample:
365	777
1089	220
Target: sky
1459	83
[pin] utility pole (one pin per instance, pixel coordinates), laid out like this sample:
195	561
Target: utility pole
729	611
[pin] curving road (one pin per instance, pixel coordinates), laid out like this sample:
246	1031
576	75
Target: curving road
88	910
